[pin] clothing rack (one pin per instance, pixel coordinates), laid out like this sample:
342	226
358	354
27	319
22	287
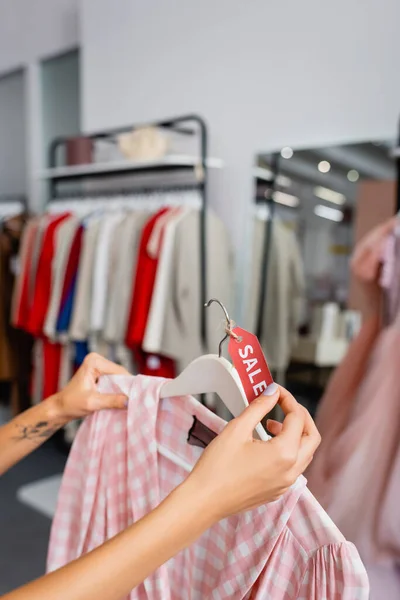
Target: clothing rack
268	200
180	125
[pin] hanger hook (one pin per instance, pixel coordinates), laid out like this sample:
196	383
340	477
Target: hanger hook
228	322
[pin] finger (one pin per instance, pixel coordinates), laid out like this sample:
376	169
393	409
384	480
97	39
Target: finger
274	427
293	423
102	366
310	441
257	410
110	401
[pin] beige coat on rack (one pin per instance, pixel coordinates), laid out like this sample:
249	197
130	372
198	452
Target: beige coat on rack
180	338
285	293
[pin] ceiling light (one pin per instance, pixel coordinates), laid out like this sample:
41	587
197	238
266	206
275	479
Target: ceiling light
329	195
286	199
333	214
324	166
262	173
286	152
283	181
353	175
267	175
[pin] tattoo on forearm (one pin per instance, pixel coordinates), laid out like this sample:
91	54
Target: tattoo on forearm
36	433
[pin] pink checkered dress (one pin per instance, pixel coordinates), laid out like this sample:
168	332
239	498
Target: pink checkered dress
114	476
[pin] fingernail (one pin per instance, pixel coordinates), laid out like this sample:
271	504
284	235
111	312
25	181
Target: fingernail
126	403
271	389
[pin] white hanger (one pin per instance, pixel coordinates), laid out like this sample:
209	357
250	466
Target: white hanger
213	374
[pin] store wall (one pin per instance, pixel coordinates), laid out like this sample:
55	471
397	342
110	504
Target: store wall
13	134
262	73
60	98
31	31
36	29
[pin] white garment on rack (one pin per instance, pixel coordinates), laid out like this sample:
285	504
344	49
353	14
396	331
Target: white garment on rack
101	271
63	241
80	318
37	247
181	333
285	293
153	245
126	245
152	342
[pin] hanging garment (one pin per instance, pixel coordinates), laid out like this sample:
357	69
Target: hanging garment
390	276
15	345
101	271
65	236
356	475
145	276
285	292
20	301
152	340
145	273
36	252
80	319
124	258
181	332
51	357
288	549
42	288
69	285
356	471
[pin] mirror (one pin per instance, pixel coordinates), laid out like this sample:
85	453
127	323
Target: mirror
327	198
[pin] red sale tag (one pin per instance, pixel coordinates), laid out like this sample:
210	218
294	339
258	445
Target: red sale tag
250	363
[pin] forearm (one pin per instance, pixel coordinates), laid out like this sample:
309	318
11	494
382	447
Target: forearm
28	431
371	301
118	566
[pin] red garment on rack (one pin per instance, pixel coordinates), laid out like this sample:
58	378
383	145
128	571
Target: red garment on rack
22	300
42	291
146	270
51	367
72	264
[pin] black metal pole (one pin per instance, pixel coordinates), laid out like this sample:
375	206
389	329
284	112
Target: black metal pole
267	248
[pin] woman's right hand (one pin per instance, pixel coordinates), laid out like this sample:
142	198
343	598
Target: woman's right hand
237	472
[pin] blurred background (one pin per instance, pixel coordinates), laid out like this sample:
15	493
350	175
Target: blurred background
266	133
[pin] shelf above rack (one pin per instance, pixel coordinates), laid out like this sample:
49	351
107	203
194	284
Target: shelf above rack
168	162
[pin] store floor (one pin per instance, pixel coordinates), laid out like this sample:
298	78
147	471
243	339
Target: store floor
24	531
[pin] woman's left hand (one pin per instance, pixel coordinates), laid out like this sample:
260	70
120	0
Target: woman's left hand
80	396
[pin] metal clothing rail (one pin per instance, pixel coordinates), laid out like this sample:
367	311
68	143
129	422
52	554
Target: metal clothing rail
180	125
267	199
130	192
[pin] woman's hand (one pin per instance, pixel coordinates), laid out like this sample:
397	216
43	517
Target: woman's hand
234	473
80	396
366	263
237	472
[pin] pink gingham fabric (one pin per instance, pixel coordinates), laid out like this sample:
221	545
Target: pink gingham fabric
288	549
